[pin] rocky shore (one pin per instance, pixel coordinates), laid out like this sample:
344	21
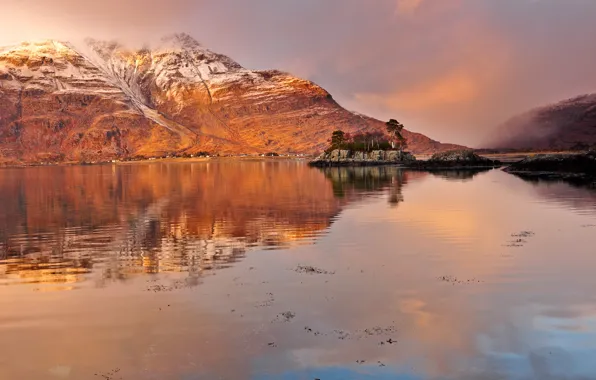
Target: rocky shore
575	167
342	157
450	160
456	160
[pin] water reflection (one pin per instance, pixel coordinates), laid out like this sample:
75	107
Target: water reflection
577	180
359	182
428	290
61	224
460	175
575	193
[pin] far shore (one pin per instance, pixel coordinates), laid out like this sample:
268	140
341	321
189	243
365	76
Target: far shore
508	157
503	157
167	160
160	160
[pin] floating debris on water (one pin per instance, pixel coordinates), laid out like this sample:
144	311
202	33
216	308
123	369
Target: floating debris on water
111	375
520	239
268	302
524	234
454	280
355	335
311	270
286	316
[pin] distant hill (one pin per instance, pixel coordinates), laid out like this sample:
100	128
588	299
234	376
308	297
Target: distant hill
102	101
570	124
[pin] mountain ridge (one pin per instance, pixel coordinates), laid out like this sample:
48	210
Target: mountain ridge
102	101
569	124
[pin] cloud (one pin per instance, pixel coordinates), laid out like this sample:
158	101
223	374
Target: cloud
407	6
131	20
455	88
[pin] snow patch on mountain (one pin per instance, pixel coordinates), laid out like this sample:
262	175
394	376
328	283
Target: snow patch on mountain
100	99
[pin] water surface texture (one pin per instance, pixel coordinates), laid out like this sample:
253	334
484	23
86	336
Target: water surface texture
273	270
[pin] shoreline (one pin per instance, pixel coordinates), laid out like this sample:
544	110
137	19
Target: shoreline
156	160
505	158
448	160
567	167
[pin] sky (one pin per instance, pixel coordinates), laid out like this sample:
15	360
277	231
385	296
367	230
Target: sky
451	69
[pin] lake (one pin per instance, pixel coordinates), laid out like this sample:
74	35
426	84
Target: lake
274	270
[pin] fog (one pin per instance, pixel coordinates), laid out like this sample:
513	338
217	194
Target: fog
452	69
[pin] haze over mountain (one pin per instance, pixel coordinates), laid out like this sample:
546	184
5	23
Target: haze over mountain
102	101
569	124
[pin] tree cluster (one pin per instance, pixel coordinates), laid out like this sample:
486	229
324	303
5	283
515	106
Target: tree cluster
369	141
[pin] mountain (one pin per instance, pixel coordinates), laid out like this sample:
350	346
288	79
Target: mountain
101	101
570	124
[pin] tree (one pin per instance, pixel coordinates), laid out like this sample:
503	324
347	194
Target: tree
366	141
395	128
338	138
348	138
395	189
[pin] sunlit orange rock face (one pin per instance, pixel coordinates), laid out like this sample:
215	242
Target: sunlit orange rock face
102	101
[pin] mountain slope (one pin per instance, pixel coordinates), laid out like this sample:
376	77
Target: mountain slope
102	101
570	124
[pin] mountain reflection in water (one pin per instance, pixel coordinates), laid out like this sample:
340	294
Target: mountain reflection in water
64	224
577	194
332	274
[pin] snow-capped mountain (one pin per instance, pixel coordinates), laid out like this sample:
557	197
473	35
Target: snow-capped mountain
103	101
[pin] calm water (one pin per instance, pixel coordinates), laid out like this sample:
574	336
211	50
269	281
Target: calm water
273	270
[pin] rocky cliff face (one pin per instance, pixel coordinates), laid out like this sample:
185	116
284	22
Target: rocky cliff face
570	124
102	101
